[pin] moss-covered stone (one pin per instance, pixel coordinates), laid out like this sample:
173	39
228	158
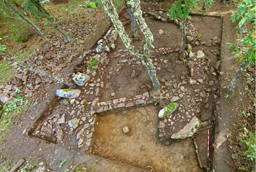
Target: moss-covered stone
199	37
169	109
93	62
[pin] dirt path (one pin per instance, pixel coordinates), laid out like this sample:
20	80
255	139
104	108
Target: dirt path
228	105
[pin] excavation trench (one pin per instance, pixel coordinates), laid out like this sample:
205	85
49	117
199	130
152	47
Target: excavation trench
192	81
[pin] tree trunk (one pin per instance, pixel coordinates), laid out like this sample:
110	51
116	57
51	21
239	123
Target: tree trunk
150	67
48	75
240	35
132	19
50	18
23	17
237	74
204	5
183	35
144	55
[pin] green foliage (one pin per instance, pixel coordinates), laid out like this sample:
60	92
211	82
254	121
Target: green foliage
93	4
247	52
30	6
22	34
250	142
182	8
27	167
62	162
170	107
245	13
2	47
14	105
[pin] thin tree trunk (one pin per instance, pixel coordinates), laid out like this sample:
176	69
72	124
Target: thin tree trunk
48	75
240	35
183	35
144	55
204	5
50	18
237	74
150	67
23	17
132	19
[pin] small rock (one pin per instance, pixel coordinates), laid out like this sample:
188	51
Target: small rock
112	94
87	125
175	98
61	120
73	123
200	54
191	81
126	130
201	81
59	135
234	156
211	83
80	142
189	39
189	48
161	31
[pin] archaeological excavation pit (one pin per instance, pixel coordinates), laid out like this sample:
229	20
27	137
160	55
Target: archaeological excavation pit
88	124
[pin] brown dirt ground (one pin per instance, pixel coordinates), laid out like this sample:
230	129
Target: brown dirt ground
14	145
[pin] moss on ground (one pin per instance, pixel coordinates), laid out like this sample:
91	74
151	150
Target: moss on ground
92	63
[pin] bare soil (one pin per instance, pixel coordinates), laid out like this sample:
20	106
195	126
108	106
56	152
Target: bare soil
141	148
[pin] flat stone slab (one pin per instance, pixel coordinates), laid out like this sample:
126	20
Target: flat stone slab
68	93
188	129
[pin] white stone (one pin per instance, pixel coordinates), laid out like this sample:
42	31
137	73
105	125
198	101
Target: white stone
80	79
73	123
200	54
68	93
175	98
164	112
161	31
126	130
188	130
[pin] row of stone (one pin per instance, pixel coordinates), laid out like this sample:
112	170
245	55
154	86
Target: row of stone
115	104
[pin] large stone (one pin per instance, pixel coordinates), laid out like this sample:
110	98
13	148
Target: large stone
73	123
68	93
188	129
168	110
81	78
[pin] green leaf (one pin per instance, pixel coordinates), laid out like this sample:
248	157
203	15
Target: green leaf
230	45
93	5
62	162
